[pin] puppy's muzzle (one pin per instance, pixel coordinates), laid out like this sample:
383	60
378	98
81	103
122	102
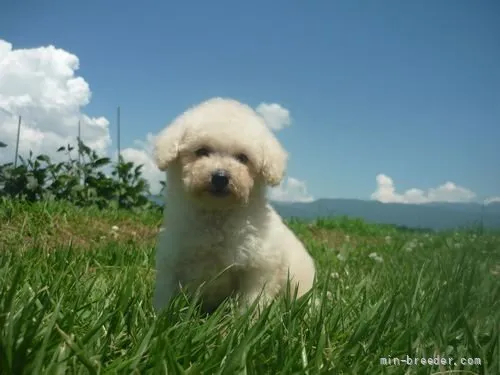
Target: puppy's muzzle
220	182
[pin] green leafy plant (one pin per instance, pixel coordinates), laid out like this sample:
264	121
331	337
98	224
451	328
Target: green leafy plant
85	180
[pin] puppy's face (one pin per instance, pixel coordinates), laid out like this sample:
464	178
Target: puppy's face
221	151
217	172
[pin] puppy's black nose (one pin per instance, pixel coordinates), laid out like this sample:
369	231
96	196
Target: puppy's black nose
220	179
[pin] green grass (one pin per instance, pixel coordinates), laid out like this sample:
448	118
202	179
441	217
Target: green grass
75	298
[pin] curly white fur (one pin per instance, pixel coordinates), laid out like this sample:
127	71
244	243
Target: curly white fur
235	244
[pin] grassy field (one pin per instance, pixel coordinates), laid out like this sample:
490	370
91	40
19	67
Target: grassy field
75	298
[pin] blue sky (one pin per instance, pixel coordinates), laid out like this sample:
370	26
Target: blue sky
409	89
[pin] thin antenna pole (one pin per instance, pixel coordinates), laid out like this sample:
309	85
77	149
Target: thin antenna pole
118	131
118	175
17	142
81	177
79	141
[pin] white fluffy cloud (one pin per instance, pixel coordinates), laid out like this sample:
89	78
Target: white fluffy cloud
448	192
143	155
276	116
40	85
291	190
492	200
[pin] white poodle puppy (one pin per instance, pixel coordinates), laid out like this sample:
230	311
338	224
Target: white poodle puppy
220	233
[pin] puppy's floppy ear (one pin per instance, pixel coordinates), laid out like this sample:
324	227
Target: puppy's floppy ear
167	142
274	161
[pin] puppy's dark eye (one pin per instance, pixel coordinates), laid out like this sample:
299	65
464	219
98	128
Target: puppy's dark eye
242	158
202	151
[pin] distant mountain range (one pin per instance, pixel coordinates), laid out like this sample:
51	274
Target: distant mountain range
436	216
